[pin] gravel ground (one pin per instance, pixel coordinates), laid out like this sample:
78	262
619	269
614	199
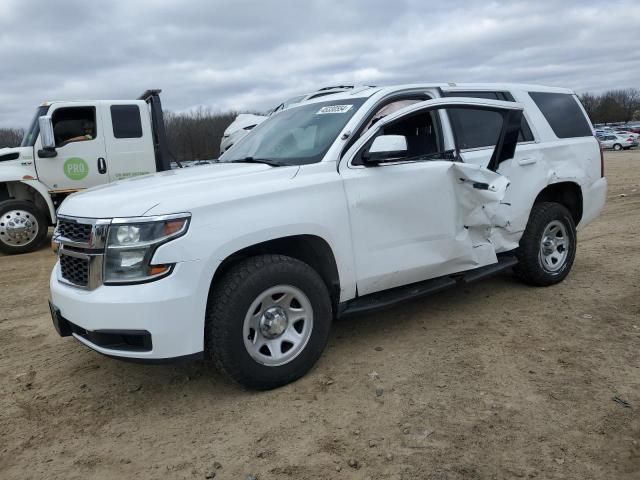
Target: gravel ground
497	380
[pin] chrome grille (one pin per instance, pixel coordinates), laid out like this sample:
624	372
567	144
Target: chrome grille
75	270
81	250
78	232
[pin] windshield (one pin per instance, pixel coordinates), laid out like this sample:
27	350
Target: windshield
297	136
32	132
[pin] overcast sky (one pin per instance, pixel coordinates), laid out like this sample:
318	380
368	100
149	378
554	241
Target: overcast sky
250	55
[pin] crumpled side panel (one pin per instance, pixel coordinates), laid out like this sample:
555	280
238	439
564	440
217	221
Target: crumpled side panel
480	194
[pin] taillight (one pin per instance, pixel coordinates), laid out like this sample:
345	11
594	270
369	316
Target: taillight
601	160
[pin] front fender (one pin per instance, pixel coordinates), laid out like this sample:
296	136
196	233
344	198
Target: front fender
16	175
211	248
44	193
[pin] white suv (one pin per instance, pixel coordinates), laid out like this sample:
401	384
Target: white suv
328	208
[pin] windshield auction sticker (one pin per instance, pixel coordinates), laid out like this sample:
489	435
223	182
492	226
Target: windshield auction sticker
334	109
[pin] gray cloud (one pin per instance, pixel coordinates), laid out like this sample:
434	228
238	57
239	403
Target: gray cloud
239	55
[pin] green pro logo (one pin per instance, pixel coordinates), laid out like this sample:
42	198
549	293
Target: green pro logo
76	168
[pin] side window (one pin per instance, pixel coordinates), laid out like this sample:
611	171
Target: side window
73	124
563	114
388	109
475	128
126	121
381	111
525	134
422	131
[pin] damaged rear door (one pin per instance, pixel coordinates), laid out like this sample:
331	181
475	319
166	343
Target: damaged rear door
416	210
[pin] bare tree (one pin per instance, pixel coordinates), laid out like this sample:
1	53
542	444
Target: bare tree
10	137
196	135
590	103
613	105
629	100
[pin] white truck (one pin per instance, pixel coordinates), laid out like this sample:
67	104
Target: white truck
70	146
332	207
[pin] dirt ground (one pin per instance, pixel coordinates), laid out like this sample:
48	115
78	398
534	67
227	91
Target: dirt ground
498	380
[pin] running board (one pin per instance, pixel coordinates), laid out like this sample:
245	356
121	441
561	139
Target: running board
388	298
479	273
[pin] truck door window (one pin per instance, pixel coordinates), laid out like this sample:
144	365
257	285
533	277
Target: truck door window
126	121
74	124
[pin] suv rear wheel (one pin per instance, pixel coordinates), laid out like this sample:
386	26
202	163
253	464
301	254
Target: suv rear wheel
23	227
268	321
548	246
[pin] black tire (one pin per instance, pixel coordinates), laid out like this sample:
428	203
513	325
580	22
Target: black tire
617	147
531	268
33	214
229	302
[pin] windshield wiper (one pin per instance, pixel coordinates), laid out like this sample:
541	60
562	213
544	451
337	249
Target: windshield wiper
266	161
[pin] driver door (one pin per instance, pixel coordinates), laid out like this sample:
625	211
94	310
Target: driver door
425	214
76	164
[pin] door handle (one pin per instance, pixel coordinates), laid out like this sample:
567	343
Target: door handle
527	161
102	165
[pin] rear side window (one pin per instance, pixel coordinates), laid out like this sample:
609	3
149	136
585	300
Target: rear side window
563	114
126	121
524	135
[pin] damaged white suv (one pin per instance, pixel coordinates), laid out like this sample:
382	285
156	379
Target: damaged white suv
328	208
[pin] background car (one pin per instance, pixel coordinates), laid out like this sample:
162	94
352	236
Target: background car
616	142
242	125
626	133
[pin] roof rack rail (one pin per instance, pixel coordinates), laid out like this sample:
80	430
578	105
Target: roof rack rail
335	86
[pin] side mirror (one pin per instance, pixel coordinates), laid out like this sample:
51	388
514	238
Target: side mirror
385	148
47	138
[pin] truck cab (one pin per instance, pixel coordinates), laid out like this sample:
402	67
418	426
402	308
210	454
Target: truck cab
70	146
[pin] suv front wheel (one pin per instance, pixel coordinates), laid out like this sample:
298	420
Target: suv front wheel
268	321
548	245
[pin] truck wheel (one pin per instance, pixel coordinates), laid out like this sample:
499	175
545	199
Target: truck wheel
548	246
267	321
23	227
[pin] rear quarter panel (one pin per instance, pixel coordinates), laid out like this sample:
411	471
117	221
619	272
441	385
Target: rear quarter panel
546	161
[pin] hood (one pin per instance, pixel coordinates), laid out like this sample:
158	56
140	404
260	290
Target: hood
175	191
14	153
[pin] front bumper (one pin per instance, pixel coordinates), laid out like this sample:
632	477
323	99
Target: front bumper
167	315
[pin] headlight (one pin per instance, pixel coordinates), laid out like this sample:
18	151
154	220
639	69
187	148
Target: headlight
131	244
